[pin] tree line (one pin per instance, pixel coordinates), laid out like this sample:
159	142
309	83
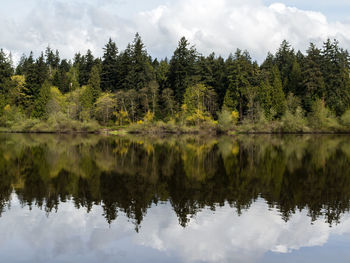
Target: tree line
129	86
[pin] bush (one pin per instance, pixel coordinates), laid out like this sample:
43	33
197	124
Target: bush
227	119
294	122
321	118
345	119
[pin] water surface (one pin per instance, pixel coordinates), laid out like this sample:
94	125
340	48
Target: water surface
93	198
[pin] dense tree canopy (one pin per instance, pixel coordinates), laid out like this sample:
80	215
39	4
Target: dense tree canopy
137	85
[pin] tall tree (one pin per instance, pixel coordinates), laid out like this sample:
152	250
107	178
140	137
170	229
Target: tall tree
278	100
95	82
313	86
182	70
284	59
6	70
335	69
141	70
109	76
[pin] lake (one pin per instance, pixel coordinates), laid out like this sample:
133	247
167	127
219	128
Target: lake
94	198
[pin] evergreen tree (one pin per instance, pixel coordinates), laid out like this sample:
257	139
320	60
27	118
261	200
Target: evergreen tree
85	65
36	75
278	100
95	82
313	86
141	70
182	70
295	79
264	97
42	100
239	75
6	70
335	69
284	60
162	74
109	73
60	78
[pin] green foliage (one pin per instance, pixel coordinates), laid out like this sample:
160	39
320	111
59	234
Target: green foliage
294	121
6	69
95	82
73	78
227	119
40	104
277	96
10	116
264	98
109	66
345	119
321	117
182	67
199	98
190	89
104	107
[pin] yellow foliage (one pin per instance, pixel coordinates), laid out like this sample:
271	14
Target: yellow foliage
235	116
122	117
235	150
140	122
7	108
149	116
19	79
198	117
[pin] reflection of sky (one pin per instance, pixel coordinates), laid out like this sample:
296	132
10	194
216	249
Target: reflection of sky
259	235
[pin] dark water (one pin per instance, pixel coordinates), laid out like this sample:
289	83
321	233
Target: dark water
66	198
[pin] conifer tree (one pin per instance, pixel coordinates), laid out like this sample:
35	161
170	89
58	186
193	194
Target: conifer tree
182	70
313	86
109	76
278	100
42	100
6	70
95	82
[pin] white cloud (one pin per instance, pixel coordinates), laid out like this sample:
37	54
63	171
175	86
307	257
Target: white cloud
220	26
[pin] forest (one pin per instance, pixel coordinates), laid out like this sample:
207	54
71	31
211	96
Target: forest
128	90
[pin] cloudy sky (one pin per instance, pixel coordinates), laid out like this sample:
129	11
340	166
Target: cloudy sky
221	25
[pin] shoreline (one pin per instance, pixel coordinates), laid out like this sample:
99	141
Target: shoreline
192	132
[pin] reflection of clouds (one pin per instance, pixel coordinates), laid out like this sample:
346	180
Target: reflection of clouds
226	237
72	235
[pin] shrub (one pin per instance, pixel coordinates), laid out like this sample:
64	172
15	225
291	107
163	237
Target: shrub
294	122
321	118
345	119
227	119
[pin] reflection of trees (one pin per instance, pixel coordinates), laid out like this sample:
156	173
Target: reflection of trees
127	175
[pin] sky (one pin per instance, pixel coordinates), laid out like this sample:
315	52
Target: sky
219	26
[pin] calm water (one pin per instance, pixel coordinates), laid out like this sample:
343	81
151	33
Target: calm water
66	198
